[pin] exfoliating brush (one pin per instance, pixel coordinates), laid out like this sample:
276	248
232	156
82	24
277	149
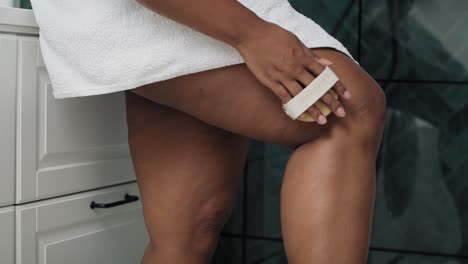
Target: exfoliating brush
296	107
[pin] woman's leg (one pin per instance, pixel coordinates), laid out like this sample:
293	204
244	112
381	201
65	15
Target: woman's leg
328	189
188	173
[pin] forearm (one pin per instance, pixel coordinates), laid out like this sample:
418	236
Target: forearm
225	20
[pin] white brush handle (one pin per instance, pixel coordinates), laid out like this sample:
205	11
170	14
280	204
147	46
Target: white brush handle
311	93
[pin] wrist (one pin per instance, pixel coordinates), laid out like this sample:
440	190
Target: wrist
249	31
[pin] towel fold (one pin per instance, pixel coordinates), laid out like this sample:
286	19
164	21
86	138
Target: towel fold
95	47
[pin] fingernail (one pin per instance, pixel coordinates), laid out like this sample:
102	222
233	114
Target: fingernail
325	61
341	111
347	95
322	119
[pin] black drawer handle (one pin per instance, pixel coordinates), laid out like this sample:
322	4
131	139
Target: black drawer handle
128	199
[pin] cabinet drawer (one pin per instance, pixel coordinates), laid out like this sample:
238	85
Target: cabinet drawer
65	145
8	45
66	229
7	239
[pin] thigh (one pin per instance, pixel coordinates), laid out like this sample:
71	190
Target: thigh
233	99
186	169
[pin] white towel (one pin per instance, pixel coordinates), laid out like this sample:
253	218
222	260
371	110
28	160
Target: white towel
94	47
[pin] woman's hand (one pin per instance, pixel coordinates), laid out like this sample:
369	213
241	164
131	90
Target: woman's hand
280	61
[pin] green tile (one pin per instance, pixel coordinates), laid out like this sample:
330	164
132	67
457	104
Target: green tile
234	224
338	18
265	252
422	188
262	150
264	185
415	40
376	257
229	251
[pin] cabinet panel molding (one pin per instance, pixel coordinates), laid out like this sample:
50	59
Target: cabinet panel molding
66	230
7	235
65	145
8	49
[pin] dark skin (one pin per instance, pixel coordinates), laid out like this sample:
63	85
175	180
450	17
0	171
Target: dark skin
285	68
189	139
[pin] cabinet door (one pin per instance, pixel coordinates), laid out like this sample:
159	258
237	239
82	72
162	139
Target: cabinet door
65	145
7	239
8	45
66	230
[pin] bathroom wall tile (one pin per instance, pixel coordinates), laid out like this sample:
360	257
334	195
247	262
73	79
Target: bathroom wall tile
234	224
256	150
259	251
275	150
265	252
264	184
229	251
272	252
422	164
422	188
26	4
376	257
262	150
415	40
338	18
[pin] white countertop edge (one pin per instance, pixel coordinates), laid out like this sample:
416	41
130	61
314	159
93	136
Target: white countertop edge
17	17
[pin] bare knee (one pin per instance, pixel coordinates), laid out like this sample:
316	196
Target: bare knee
209	223
197	236
192	236
367	119
363	123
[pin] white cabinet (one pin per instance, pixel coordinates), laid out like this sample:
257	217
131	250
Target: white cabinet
7	239
66	230
8	45
56	157
65	145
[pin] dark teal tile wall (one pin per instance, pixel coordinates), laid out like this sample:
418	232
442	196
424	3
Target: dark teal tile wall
376	257
229	251
415	40
235	223
265	252
264	179
418	51
422	184
338	18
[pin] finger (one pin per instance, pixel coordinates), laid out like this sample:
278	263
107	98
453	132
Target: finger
279	90
315	112
311	65
295	88
333	104
319	59
305	77
292	86
341	89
